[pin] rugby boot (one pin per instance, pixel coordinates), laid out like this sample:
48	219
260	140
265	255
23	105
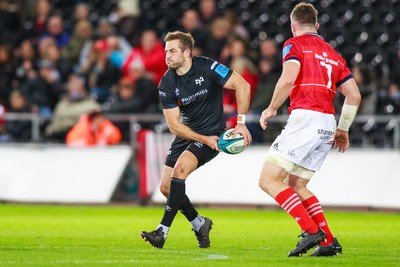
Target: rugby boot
203	235
154	238
332	249
306	242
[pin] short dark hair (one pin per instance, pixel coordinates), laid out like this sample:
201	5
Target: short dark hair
186	40
304	13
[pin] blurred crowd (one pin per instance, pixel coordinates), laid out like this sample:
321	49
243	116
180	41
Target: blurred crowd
69	59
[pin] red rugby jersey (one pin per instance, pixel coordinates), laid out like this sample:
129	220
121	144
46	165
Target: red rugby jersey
322	70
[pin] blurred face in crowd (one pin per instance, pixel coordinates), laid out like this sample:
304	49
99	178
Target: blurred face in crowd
207	8
43	7
81	11
26	50
238	48
44	45
126	90
148	40
53	53
83	29
76	88
112	42
268	48
55	25
104	28
190	20
17	100
4	54
220	28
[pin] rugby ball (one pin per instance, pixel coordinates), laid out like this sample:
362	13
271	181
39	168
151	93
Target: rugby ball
229	144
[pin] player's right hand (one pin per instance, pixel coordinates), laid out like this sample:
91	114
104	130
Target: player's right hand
265	115
212	141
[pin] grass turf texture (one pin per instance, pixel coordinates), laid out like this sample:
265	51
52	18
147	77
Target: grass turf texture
39	235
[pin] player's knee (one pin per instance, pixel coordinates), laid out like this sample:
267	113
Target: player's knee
298	188
164	190
180	171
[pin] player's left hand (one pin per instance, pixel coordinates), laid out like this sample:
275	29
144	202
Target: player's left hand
242	129
341	140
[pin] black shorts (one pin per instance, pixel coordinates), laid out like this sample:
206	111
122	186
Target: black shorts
202	152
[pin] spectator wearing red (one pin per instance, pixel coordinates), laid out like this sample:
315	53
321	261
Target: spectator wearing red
93	129
149	56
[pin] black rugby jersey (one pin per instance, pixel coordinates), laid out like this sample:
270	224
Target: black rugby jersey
198	93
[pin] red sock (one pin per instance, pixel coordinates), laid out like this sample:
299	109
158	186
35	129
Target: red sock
290	201
314	209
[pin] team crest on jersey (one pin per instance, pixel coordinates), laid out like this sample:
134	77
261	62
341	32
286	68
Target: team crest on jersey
286	50
199	80
222	70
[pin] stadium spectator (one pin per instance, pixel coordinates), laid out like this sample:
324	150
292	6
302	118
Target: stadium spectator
68	110
101	72
236	27
60	63
81	12
263	95
25	60
368	89
217	38
103	30
268	50
238	60
43	88
9	21
311	80
7	72
55	29
126	19
18	130
191	23
93	129
389	100
4	136
208	12
35	26
148	55
82	33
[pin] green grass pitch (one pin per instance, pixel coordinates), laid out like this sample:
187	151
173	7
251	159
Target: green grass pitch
58	235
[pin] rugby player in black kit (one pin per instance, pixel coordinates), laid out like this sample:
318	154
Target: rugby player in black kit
191	93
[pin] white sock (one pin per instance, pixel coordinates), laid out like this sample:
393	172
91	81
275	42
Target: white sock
165	230
197	223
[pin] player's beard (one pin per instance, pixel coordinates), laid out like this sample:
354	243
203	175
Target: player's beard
175	65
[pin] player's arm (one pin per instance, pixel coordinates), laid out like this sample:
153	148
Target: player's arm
242	88
282	90
172	116
349	110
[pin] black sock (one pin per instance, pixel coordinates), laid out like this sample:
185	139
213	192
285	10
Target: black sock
174	201
188	210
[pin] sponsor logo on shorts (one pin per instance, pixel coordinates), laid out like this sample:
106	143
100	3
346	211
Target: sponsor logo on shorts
162	94
275	146
198	144
291	153
325	135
